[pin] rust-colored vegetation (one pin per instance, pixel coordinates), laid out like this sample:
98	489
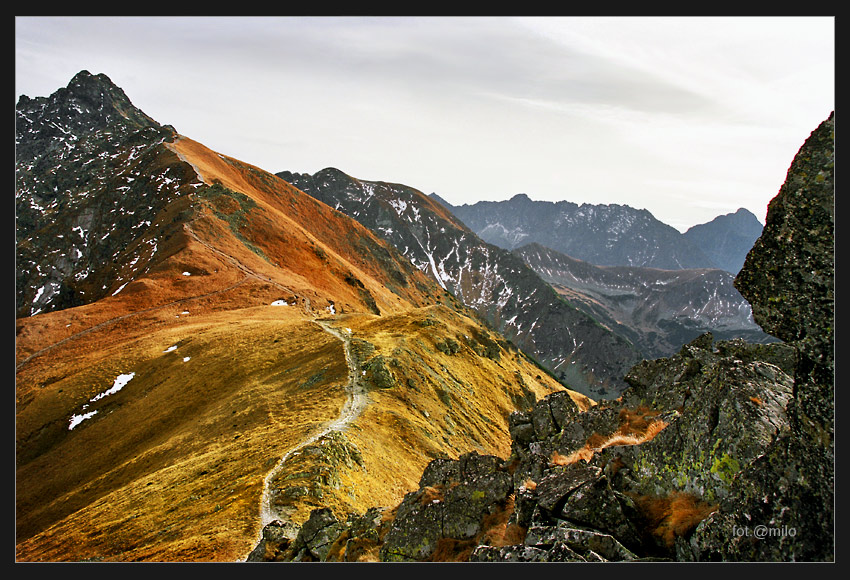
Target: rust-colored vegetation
636	426
218	393
677	514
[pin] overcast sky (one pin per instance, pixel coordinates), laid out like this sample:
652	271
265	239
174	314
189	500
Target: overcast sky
687	117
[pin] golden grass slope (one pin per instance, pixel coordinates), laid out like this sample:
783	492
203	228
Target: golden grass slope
171	467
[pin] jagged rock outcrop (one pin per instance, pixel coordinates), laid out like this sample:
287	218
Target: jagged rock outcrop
673	443
782	507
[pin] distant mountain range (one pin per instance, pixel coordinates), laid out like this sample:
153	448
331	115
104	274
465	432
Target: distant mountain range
599	319
611	234
504	291
657	310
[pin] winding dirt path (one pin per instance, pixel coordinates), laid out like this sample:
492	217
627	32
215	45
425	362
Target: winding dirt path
356	401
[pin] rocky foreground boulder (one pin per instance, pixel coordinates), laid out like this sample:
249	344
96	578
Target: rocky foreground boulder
724	451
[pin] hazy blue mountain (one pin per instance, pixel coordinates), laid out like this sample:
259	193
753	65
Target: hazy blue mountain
605	235
727	238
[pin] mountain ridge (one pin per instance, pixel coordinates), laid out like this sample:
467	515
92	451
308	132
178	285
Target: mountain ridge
152	407
229	369
609	234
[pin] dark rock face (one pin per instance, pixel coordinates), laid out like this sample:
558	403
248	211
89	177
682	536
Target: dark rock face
453	499
91	176
789	278
729	402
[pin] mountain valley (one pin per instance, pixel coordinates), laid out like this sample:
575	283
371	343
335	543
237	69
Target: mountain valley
657	310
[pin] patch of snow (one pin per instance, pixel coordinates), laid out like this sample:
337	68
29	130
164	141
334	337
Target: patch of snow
280	303
170	348
120	382
77	419
398	205
186	358
187	274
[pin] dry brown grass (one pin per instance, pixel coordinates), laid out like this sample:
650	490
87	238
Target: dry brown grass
431	494
179	454
337	551
362	550
172	467
191	491
496	529
453	550
675	515
636	426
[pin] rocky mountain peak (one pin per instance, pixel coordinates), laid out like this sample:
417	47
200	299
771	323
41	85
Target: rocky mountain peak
727	238
78	200
88	103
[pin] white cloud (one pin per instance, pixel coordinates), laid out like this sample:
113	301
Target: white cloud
599	110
